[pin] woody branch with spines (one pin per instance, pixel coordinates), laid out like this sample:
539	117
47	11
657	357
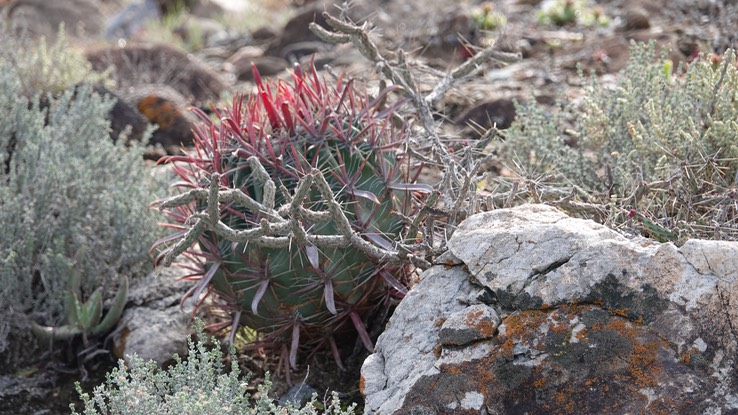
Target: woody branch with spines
278	226
458	186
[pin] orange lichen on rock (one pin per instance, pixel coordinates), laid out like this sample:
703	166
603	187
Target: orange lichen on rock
642	366
485	326
519	326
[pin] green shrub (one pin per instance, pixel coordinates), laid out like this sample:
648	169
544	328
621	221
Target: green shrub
571	12
68	196
41	68
195	386
657	147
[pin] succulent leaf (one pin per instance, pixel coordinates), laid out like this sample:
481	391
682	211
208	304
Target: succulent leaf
85	318
116	310
46	335
89	313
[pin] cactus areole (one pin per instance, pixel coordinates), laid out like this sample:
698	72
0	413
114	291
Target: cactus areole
300	295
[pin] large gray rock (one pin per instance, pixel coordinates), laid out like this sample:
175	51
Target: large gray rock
590	322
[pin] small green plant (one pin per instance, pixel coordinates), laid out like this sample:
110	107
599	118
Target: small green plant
486	18
198	385
656	151
572	12
84	318
298	200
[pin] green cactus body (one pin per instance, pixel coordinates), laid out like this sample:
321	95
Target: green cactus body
302	296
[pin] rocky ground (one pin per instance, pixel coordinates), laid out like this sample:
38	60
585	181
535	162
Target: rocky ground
166	59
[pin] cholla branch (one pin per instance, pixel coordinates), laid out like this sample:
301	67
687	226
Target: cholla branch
459	179
261	176
277	228
360	38
296	223
344	226
467	68
185	243
213	203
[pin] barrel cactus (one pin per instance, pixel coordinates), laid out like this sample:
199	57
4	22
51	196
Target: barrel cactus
299	200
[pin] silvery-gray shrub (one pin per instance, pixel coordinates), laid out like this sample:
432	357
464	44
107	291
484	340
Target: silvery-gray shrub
197	385
69	196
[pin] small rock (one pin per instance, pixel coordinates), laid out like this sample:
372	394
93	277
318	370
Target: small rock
264	34
499	112
132	19
635	18
448	258
297	29
201	31
159	64
474	323
298	395
295	51
207	9
266	65
43	17
240	62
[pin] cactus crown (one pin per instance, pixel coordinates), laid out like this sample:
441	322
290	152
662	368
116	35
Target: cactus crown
310	193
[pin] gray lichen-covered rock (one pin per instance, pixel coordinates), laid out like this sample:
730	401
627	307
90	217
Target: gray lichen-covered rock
591	322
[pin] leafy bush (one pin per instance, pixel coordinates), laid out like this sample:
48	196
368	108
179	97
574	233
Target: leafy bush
69	199
656	147
195	386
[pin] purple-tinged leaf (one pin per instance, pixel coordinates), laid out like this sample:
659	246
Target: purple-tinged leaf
346	91
379	240
234	327
366	195
411	187
324	125
392	281
361	329
306	124
313	256
263	285
196	290
295	344
328	294
235	128
336	354
168	238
